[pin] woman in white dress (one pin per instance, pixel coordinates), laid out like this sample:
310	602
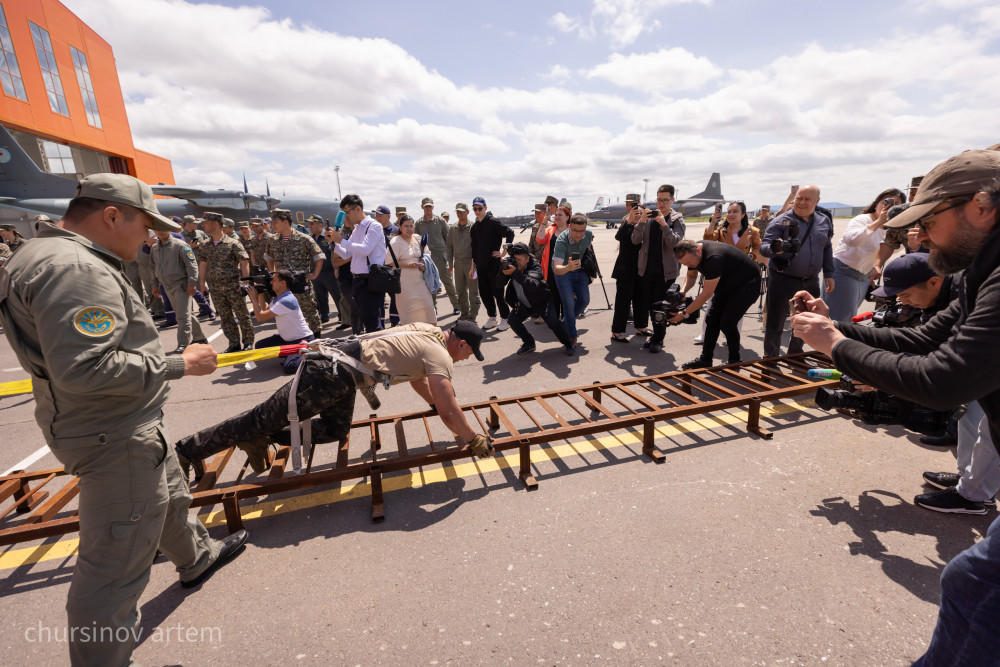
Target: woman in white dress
414	302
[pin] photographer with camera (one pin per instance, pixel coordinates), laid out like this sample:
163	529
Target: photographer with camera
854	257
656	231
799	245
285	311
948	361
528	296
732	282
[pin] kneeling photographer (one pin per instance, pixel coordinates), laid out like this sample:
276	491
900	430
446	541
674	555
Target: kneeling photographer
732	281
950	360
528	296
284	310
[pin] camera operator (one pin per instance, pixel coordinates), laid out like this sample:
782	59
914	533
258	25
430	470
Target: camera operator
948	361
799	245
732	282
528	296
285	311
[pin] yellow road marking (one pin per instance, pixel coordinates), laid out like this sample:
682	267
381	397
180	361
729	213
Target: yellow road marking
413	480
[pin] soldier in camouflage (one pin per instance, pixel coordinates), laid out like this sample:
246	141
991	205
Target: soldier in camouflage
229	229
223	261
295	252
258	244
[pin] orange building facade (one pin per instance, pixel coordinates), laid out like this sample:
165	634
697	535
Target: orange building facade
61	98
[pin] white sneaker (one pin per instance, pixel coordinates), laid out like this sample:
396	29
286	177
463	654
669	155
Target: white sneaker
490	323
503	326
698	340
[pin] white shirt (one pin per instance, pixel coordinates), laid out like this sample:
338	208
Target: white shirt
858	245
288	317
366	245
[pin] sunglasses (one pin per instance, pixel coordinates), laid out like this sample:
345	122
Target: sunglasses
478	208
924	222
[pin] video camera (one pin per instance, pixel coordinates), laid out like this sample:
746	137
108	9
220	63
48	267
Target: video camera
261	282
790	245
674	302
874	406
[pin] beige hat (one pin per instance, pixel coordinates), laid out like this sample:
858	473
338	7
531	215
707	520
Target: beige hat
462	207
540	208
634	198
256	221
228	222
124	189
961	176
189	218
400	209
426	201
244	224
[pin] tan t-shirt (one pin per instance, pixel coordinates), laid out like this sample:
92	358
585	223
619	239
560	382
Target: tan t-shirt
410	356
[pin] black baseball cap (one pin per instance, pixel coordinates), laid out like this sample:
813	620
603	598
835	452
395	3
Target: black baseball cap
905	272
471	334
518	249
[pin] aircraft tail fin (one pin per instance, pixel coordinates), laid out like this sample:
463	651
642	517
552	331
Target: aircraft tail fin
713	190
16	165
599	204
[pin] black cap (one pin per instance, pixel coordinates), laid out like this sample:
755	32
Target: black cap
471	334
518	249
905	272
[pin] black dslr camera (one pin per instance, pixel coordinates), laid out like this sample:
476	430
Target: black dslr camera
896	315
261	281
790	245
874	406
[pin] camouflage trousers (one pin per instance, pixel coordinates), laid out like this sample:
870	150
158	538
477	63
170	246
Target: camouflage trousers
232	308
307	303
323	395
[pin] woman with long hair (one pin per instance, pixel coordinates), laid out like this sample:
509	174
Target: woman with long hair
854	256
547	236
414	301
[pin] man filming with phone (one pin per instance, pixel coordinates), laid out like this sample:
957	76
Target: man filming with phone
948	361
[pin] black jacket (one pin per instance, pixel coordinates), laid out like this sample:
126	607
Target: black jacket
487	236
532	283
627	263
949	361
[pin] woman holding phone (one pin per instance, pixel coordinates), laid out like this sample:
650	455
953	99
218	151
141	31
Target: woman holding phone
854	256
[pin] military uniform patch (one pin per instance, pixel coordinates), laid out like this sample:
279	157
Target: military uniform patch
187	251
94	322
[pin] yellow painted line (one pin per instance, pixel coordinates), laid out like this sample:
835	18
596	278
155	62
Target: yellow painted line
18	387
413	480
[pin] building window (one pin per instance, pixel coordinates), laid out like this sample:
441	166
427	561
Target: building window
59	157
50	72
10	73
86	87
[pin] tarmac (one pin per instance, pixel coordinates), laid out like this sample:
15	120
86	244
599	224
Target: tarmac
803	549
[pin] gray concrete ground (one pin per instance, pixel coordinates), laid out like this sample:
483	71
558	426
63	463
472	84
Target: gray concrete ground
806	549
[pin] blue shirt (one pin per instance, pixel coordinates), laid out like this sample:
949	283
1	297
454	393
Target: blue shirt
816	252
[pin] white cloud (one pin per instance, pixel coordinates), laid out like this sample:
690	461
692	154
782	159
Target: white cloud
624	21
574	24
664	70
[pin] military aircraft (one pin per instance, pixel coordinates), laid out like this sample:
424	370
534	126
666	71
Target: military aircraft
27	191
711	195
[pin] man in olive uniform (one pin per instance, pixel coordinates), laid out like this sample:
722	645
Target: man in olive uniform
400	212
5	253
436	230
419	353
176	268
223	261
229	229
144	259
100	381
459	255
194	236
295	252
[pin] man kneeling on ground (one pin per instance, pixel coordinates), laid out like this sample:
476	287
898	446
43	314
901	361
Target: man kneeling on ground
528	296
288	318
418	353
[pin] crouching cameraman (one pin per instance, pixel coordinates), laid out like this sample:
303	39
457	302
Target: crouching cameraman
948	361
732	281
528	296
285	311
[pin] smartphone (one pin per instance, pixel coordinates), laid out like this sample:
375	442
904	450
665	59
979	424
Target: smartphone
889	202
795	189
796	305
718	208
575	257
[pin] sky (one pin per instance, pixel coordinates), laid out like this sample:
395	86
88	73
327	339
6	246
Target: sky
516	100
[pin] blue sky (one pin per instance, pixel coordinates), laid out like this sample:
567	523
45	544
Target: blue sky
516	100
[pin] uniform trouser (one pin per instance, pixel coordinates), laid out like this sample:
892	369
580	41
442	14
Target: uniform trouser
978	462
441	262
724	315
574	290
326	286
231	306
131	271
651	288
148	283
467	291
307	303
188	328
626	298
369	303
781	288
168	308
520	314
492	295
966	630
321	392
133	500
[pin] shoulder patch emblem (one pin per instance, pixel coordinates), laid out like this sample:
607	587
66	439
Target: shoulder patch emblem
187	251
94	322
